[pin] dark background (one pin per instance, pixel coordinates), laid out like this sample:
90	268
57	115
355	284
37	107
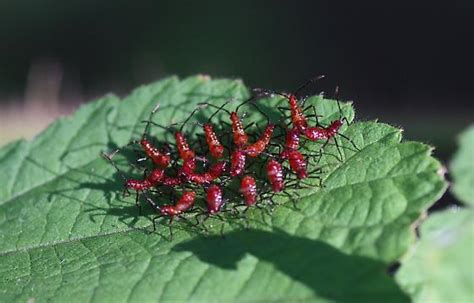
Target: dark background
412	66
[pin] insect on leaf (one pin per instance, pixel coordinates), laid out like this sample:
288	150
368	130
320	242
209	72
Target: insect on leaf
67	234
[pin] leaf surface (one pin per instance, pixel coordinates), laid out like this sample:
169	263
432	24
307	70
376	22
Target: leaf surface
66	234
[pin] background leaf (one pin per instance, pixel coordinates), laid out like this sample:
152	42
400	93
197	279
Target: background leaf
66	233
462	167
441	268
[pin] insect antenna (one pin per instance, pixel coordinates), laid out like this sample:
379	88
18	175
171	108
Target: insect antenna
121	174
149	121
190	116
145	132
219	108
294	93
350	140
316	116
256	107
304	85
341	114
344	118
263	92
151	202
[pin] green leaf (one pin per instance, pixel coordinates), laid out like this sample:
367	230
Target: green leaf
462	167
66	234
441	268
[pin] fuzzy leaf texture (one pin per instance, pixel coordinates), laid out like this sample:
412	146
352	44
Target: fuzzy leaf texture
66	233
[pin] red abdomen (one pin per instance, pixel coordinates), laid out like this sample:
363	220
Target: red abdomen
155	176
214	199
213	173
297	116
316	133
248	189
169	210
254	150
240	137
215	147
159	158
186	201
218	169
185	152
138	185
292	138
237	163
171	181
297	164
333	128
275	175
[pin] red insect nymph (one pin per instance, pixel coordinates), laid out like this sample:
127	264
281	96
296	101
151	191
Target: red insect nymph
275	175
214	199
240	137
248	188
333	128
297	164
171	181
216	149
215	171
185	152
292	138
297	116
316	133
237	163
152	179
255	149
184	203
159	158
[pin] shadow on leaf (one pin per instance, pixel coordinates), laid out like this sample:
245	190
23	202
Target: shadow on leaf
330	273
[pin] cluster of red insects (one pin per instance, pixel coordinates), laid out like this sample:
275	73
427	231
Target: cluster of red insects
255	171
